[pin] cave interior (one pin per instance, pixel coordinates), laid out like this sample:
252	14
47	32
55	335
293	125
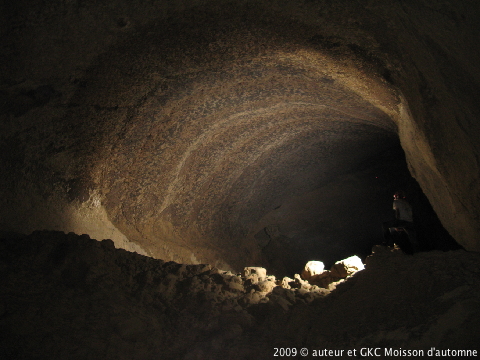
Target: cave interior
200	138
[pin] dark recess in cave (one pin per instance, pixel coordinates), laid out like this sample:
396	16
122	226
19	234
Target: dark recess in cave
370	191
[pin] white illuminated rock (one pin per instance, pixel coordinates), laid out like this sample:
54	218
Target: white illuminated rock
312	268
353	262
347	267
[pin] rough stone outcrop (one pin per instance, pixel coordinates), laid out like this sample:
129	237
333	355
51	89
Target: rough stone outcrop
64	296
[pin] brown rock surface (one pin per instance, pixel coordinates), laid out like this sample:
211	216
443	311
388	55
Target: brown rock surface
186	130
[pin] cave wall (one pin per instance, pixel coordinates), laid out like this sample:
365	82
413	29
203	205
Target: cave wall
171	126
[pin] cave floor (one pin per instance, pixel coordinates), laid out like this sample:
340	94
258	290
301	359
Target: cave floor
71	297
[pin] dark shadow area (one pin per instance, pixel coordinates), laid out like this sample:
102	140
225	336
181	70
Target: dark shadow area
344	217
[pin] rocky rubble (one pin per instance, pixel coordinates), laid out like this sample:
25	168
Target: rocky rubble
64	296
330	278
51	275
251	287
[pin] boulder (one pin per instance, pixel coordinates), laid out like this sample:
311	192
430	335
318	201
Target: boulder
312	268
347	267
257	273
286	281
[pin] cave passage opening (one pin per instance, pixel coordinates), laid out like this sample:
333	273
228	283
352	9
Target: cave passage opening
250	146
257	166
266	161
322	195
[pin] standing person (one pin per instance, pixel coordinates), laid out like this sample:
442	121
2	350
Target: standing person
404	218
403	210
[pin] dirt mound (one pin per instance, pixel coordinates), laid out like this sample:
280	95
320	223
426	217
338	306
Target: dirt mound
71	297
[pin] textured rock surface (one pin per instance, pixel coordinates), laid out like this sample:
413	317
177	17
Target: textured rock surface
236	132
312	268
70	297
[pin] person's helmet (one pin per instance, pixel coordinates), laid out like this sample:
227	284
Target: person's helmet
399	195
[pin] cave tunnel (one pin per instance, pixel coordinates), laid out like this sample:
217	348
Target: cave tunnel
247	133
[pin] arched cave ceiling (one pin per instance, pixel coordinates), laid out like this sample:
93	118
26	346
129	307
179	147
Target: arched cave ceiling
237	132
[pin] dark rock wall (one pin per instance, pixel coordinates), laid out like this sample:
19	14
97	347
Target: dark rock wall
184	129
